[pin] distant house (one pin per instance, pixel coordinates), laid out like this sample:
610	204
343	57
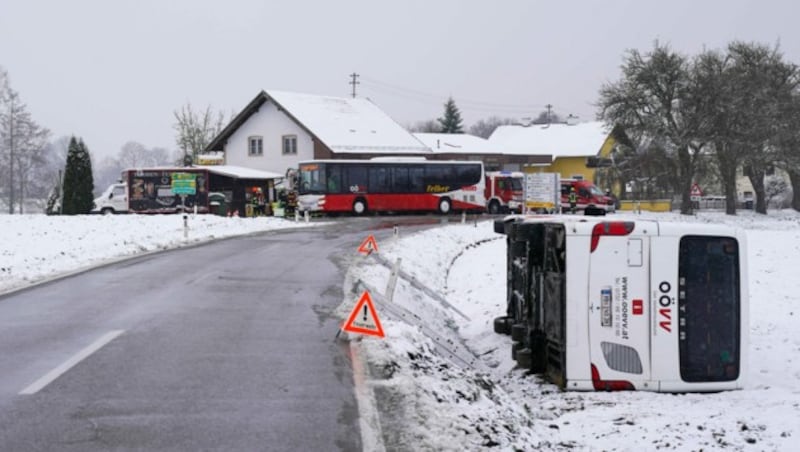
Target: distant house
277	129
453	146
569	145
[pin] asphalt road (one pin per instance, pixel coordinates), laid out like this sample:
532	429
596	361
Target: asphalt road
226	346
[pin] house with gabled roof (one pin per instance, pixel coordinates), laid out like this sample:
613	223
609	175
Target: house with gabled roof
278	129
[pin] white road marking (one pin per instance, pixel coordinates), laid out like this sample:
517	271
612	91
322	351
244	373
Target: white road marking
368	419
39	384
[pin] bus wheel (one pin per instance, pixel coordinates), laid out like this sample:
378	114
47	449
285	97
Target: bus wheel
359	206
444	206
494	207
502	325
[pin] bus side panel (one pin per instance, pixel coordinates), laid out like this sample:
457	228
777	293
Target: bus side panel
579	375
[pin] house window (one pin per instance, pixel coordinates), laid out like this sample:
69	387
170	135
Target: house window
256	146
290	144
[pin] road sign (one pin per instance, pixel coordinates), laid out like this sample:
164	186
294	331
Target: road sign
542	191
369	245
364	318
184	183
696	192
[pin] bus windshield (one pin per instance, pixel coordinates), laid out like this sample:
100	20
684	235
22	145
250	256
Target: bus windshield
709	308
311	179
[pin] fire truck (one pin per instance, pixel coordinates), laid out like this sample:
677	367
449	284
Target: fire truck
503	191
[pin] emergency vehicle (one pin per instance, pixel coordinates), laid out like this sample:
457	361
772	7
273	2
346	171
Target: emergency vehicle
627	305
591	200
504	191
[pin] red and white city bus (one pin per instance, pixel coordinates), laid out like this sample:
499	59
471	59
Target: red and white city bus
627	305
390	184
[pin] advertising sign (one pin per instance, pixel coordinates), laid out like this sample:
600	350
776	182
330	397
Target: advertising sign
542	191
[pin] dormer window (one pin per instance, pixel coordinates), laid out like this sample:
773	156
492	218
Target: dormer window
255	146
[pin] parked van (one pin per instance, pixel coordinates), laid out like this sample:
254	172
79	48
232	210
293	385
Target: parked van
627	305
591	200
113	200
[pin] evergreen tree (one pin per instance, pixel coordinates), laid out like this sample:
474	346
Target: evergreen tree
451	122
78	181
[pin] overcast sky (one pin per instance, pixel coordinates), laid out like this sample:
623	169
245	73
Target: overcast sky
114	71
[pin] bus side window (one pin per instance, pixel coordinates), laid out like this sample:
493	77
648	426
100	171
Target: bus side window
416	179
400	181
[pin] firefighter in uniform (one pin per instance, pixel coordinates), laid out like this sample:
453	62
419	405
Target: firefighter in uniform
573	200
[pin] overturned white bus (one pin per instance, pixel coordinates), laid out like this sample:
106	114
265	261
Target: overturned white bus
627	305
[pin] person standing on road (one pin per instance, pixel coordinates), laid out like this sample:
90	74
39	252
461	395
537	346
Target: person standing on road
573	200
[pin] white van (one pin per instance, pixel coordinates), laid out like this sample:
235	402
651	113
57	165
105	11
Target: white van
113	200
627	305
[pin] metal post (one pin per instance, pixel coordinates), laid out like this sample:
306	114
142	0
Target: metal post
185	218
296	215
392	281
395	231
306	215
463	217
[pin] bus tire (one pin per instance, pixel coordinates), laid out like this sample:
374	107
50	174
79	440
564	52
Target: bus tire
502	325
359	206
494	207
444	206
514	347
107	211
524	358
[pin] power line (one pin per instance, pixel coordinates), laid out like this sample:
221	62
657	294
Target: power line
474	104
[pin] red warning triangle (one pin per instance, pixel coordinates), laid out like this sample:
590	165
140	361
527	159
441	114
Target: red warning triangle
364	318
369	245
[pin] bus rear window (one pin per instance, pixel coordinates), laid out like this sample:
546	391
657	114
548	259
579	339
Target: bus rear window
708	308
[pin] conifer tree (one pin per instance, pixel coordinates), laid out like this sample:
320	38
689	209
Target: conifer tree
451	121
78	180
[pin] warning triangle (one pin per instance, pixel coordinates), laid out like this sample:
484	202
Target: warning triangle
364	318
369	245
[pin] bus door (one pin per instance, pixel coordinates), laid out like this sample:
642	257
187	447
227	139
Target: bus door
619	327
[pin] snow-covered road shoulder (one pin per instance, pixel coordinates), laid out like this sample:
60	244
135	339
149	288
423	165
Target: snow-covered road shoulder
37	248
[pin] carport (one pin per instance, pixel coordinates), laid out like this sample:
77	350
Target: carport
243	186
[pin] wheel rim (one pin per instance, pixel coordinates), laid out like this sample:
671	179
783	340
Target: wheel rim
359	207
494	207
444	206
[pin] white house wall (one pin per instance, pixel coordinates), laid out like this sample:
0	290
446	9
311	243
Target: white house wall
272	125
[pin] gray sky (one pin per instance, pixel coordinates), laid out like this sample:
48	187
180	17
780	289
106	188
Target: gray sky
114	71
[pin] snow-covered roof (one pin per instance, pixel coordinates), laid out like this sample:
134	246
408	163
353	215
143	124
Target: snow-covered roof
457	143
348	124
240	172
559	140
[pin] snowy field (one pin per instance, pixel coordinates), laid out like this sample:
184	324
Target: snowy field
442	379
439	403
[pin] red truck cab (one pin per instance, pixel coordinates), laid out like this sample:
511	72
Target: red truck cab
504	191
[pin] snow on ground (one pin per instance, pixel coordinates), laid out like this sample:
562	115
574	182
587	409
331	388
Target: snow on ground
430	402
39	247
442	379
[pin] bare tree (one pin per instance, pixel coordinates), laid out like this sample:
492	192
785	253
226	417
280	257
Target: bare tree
657	101
22	142
196	129
426	126
485	127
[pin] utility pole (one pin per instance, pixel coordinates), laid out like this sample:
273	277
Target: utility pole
549	107
354	81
